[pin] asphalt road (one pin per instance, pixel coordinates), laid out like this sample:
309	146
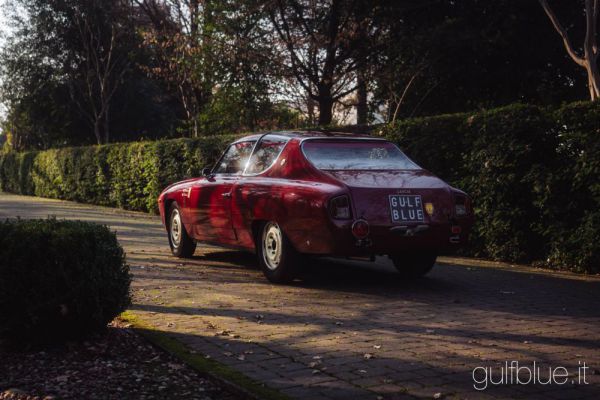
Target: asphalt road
356	330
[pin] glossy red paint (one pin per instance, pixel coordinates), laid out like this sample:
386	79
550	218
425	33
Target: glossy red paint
226	209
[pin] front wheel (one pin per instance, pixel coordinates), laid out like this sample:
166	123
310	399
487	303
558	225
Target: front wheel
181	244
413	266
276	255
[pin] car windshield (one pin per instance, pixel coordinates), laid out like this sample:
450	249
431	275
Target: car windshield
356	154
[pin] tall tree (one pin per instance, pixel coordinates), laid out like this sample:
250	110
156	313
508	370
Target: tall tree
98	58
323	46
445	56
588	58
182	35
70	75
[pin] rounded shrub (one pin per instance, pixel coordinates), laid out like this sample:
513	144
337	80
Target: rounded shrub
59	279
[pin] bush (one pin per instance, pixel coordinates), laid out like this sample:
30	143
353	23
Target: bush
505	168
435	143
125	175
59	279
532	172
533	175
573	207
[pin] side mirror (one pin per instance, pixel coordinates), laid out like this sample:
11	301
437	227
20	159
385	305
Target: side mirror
206	171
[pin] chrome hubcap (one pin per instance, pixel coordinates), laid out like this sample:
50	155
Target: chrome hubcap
175	228
271	245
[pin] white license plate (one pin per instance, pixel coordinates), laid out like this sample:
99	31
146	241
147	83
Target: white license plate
406	208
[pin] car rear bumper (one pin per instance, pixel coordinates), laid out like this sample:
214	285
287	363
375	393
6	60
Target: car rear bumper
338	240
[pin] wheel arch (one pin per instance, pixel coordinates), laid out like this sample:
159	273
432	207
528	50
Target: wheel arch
168	203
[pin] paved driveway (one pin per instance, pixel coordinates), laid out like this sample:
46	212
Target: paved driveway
354	330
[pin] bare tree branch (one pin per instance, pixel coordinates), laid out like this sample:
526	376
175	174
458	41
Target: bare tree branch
562	32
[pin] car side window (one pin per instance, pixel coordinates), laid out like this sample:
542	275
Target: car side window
266	153
235	158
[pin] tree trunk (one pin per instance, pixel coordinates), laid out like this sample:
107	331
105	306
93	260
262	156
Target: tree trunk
97	132
310	107
361	99
325	110
106	125
590	48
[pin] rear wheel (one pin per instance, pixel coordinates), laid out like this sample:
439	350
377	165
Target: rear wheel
276	256
181	244
412	265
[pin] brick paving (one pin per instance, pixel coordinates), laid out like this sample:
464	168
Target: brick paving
351	330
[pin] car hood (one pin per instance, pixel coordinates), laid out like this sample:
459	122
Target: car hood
398	179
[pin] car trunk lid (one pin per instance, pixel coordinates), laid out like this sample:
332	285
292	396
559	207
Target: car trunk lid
397	197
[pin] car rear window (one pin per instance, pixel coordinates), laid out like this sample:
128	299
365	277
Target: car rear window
356	154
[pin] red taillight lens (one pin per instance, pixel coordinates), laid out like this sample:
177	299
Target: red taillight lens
340	207
460	206
360	229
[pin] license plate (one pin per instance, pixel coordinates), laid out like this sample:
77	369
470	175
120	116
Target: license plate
406	208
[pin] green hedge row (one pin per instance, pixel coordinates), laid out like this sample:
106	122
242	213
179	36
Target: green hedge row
129	176
534	175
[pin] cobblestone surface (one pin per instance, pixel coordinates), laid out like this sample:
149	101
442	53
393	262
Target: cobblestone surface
350	330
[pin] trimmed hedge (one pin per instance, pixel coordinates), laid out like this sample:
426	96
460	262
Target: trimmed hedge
533	173
51	290
125	175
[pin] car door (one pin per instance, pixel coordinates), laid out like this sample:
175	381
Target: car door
211	198
254	188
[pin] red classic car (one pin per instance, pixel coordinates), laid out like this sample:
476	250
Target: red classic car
288	194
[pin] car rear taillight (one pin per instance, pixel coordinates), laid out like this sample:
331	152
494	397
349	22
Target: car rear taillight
460	205
360	229
340	207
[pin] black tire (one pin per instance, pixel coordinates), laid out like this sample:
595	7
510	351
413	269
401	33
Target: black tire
412	266
276	256
182	245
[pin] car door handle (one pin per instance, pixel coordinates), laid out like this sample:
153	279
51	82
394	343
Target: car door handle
228	194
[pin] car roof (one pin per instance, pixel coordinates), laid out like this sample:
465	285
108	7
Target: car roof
304	135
